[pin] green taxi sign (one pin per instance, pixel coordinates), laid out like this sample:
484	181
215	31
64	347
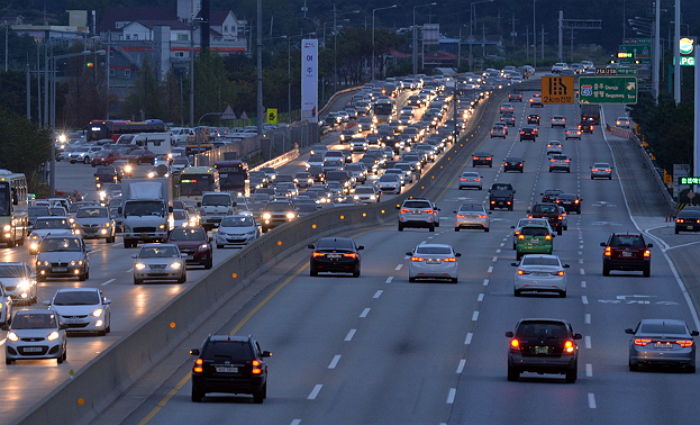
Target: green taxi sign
689	180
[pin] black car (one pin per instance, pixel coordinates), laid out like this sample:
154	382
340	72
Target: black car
512	163
528	133
688	220
626	251
230	364
543	346
339	255
106	174
550	212
586	127
570	202
533	119
482	158
550	195
507	120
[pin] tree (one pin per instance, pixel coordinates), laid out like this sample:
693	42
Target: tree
147	98
23	147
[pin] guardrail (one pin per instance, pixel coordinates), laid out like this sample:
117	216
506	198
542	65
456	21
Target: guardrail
94	387
280	160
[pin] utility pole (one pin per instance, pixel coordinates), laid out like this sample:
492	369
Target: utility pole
677	53
38	85
29	91
46	84
335	53
459	48
7	49
560	49
696	137
107	76
192	73
657	50
542	43
527	43
258	22
534	36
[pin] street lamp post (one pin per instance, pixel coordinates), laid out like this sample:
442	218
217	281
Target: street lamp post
393	6
414	29
335	44
472	12
534	36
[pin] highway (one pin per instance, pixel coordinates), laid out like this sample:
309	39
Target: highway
378	350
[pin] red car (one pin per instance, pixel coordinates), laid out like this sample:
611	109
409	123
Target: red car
106	157
195	243
140	156
626	251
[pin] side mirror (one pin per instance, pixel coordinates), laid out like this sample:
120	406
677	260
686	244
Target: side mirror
311	246
509	334
694	333
650	245
47	302
199	204
578	336
106	301
514	264
194	352
566	266
528	211
459	254
512	227
490	212
454	211
629	331
266	354
541	194
409	254
603	244
360	248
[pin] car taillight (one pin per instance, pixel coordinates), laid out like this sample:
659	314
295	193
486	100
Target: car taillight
477	180
517	233
257	370
488	158
522	272
559	273
548	237
522	132
595	169
697	221
475	158
568	160
482	216
552	160
350	255
685	343
569	346
521	237
198	366
647	253
430	211
462	179
608	251
642	341
317	254
450	260
561	217
405	211
515	344
460	216
417	259
608	170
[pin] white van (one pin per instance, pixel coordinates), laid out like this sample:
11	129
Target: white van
158	143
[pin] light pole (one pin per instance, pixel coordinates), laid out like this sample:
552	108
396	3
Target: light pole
335	45
534	37
192	28
472	11
393	6
7	28
415	35
676	53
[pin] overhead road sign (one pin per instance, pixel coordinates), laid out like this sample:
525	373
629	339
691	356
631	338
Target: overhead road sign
608	90
558	90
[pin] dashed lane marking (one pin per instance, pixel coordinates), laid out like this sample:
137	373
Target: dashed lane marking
587	341
475	316
350	334
398	267
378	294
365	312
468	339
591	401
587	318
486	282
389	279
314	393
480	298
460	366
584	299
334	362
589	370
451	395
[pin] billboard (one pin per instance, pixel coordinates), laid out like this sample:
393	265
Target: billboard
309	79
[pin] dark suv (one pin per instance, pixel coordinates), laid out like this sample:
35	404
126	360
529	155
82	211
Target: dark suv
543	346
482	158
335	255
626	251
513	163
230	364
528	133
570	202
551	213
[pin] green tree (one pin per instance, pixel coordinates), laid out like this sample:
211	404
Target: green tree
23	147
147	98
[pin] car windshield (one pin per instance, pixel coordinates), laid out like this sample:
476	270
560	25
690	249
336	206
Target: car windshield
533	231
663	329
233	351
417	204
436	250
601	165
158	252
38	211
501	187
542	330
628	241
52	223
216	200
471	208
547	209
335	243
181	234
57	211
34	321
364	190
76	298
238	221
389	178
60	245
92	212
179	214
13	271
539	261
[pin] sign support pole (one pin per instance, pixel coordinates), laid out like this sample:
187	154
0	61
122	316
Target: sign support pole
677	53
696	120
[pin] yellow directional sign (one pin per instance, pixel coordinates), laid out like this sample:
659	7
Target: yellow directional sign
558	89
272	115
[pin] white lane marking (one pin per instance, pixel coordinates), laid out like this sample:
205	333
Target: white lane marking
295	422
502	244
451	395
583	272
389	279
490	269
350	334
589	370
494	259
591	401
475	316
580	253
314	393
584	299
397	268
365	312
583	284
378	294
587	341
580	246
498	251
587	318
107	282
116	244
460	366
2	341
580	260
468	339
480	298
334	362
486	282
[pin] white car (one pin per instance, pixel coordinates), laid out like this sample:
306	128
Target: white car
472	215
367	194
159	262
44	226
35	334
83	310
237	230
390	183
601	170
470	179
559	67
433	261
558	121
540	273
18	282
623	122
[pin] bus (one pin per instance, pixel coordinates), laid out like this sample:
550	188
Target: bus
233	175
196	180
158	143
112	129
14	207
383	110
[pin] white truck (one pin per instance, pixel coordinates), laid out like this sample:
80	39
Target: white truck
147	210
158	143
214	207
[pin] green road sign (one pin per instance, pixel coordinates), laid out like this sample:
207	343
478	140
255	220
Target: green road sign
608	90
689	180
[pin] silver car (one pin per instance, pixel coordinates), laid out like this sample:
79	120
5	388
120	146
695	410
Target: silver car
555	146
540	273
470	180
35	334
389	183
83	310
559	163
62	256
662	342
17	281
5	308
601	170
433	261
159	262
367	194
237	230
472	215
95	223
44	226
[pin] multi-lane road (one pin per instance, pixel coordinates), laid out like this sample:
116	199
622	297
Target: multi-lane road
381	350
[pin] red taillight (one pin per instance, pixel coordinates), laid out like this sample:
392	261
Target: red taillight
462	179
350	255
595	169
576	201
476	158
405	211
522	132
482	216
488	158
318	254
608	170
493	202
417	259
569	346
449	260
685	343
548	238
560	273
568	160
431	212
552	160
198	366
647	253
460	216
521	237
642	341
257	370
515	344
608	251
477	180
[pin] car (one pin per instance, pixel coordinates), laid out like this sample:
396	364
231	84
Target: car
543	346
277	212
237	230
540	273
433	261
515	97
534	239
358	145
472	215
524	222
572	133
229	364
194	245
336	255
533	119
62	256
95	223
507	120
623	122
688	220
469	180
536	102
482	158
418	213
159	261
339	155
347	134
600	170
555	146
50	225
6	307
181	218
106	174
559	162
564	217
586	127
18	282
626	251
662	342
303	179
506	107
499	131
389	183
550	195
550	211
558	121
35	334
512	163
570	202
82	310
528	133
501	195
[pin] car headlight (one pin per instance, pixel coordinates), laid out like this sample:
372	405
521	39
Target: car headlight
98	312
355	197
266	216
176	265
139	266
23	285
107	224
53	336
34	237
12	337
71	220
72	262
7	227
203	247
291	215
34	246
76	231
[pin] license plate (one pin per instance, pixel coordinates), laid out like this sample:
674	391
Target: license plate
334	256
144	235
32	349
59	269
227	369
190	257
626	254
433	261
541	350
534	240
663	346
689	227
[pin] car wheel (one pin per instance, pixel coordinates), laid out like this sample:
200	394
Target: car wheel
183	278
138	281
456	229
197	394
209	264
691	368
40	278
562	294
606	270
647	271
491	207
676	230
431	228
83	277
634	367
356	273
486	229
111	239
259	396
560	231
9	361
510	208
86	160
63	357
571	375
313	272
592	178
454	280
513	373
219	246
566	227
610	178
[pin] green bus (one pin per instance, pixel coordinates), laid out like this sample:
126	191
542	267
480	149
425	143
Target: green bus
13	208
